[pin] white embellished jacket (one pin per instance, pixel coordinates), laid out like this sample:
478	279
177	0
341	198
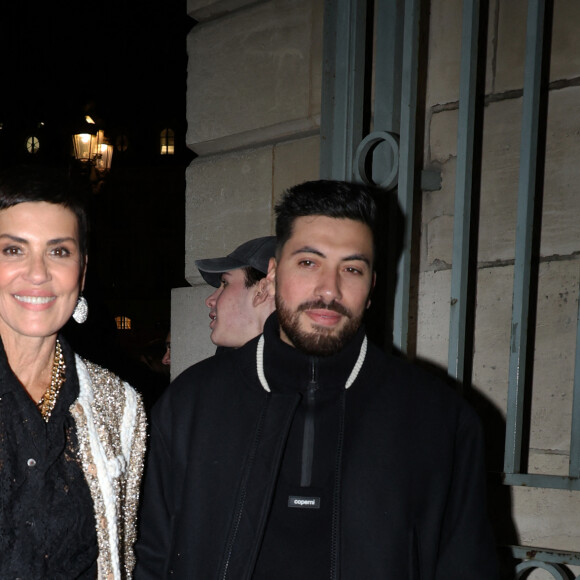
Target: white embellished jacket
111	430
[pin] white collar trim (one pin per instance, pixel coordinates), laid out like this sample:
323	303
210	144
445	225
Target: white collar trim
352	377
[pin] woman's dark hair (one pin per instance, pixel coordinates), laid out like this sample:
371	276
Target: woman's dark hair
335	199
32	184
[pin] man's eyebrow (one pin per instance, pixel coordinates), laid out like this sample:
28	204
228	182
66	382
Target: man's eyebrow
357	257
308	250
352	257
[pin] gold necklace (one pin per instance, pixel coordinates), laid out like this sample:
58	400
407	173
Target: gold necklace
48	400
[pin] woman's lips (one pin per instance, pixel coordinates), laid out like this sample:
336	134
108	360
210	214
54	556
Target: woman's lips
34	299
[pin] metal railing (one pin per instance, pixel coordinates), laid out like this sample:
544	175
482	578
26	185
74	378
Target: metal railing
393	142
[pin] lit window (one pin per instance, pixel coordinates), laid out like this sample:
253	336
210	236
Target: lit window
122	143
167	142
123	322
1	126
32	144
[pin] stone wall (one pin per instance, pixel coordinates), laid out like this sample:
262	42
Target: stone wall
254	112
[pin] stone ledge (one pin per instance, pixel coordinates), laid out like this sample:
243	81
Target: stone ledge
274	134
204	10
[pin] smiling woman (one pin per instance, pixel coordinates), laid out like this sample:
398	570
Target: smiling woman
67	510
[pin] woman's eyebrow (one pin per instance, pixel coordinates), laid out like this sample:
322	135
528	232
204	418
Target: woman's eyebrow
14	238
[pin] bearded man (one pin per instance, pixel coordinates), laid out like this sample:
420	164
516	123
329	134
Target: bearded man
308	453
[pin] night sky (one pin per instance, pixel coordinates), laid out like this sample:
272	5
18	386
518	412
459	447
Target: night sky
124	63
122	60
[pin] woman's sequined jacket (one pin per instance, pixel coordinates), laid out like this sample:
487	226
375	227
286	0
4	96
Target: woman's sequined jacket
111	430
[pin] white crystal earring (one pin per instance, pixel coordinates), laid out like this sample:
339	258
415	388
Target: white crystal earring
81	310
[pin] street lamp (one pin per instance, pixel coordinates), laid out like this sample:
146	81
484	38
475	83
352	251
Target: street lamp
93	152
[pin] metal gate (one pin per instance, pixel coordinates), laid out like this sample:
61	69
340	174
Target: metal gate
378	44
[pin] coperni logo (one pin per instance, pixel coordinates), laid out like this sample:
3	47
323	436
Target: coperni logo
296	501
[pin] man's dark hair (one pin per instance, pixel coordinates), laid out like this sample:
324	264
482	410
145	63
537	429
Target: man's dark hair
334	199
252	276
32	184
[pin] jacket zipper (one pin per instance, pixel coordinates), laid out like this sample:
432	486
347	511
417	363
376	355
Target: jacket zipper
308	438
243	492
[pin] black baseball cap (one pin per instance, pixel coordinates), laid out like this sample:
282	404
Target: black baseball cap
255	253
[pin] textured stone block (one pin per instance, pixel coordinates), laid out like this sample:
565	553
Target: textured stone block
228	201
554	355
445	45
257	83
433	317
500	177
492	334
511	43
207	9
554	351
295	162
499	183
561	203
547	517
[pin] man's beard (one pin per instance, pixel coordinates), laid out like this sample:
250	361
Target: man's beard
322	341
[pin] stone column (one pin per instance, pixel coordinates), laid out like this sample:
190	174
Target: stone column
253	112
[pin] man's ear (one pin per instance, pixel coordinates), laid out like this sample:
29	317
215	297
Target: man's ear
261	294
271	277
371	290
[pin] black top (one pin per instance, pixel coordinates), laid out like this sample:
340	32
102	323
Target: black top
411	489
298	541
47	522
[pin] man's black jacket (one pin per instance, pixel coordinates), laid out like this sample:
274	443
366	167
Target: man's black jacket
410	501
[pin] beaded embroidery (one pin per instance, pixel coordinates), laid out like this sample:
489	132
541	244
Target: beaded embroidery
48	400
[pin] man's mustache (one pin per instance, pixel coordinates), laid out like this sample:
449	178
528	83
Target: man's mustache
321	305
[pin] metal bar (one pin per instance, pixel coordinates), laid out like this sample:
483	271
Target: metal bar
389	46
564	557
342	86
556	571
387	102
544	481
407	168
523	251
463	191
575	435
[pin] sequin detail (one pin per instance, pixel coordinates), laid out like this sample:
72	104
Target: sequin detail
111	430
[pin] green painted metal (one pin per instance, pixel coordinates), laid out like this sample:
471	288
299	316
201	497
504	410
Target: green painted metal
524	227
575	436
406	190
341	127
343	156
387	102
464	186
549	556
557	571
389	47
540	480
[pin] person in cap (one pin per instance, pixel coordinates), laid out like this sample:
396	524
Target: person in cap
240	303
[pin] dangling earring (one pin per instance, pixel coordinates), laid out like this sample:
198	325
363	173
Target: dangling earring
81	310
